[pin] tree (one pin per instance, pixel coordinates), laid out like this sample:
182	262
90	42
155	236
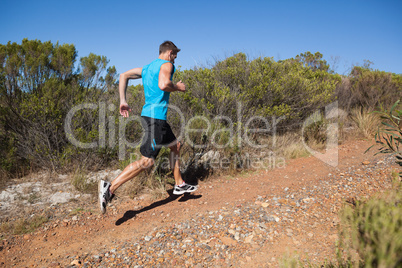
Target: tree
38	86
313	61
92	68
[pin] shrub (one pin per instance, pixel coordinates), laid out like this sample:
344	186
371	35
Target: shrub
236	89
373	230
370	234
38	87
317	131
369	89
390	138
262	86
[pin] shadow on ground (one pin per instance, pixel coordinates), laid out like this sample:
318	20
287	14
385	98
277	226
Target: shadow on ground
132	213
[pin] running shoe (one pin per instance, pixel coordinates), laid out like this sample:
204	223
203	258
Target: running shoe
105	196
184	188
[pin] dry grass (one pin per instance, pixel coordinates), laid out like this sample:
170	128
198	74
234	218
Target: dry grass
153	181
156	186
366	123
147	182
23	225
290	145
4	176
295	150
81	183
133	187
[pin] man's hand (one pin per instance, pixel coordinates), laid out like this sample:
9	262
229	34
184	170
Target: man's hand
180	86
124	77
124	109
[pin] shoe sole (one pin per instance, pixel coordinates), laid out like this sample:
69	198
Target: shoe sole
100	196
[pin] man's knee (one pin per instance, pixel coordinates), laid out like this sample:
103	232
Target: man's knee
146	162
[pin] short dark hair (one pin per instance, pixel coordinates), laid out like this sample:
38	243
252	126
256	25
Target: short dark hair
168	45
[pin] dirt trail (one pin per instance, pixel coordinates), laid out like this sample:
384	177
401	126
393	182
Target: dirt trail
303	199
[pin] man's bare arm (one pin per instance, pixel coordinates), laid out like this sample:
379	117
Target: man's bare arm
165	83
124	77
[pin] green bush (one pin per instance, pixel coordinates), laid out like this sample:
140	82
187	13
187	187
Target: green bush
368	89
236	89
262	86
370	234
39	85
373	230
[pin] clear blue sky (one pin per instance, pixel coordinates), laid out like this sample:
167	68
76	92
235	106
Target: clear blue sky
128	33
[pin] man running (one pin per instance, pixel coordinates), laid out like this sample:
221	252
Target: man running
157	82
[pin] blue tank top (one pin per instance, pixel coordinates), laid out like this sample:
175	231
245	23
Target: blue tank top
156	100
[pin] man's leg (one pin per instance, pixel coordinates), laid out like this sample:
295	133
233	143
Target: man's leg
106	190
181	187
174	159
131	171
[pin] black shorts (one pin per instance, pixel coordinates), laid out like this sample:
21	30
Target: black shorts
157	135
